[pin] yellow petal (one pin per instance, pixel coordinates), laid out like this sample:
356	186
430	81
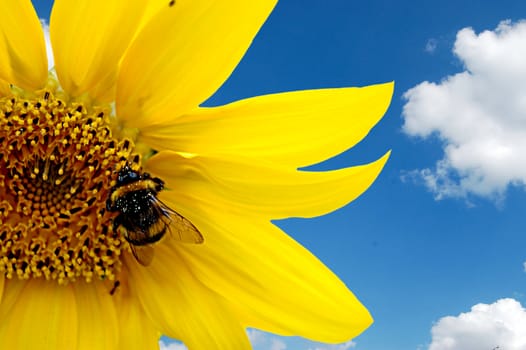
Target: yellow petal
262	188
11	293
23	60
154	6
89	38
131	319
275	284
98	327
5	88
182	307
183	55
38	314
296	128
2	284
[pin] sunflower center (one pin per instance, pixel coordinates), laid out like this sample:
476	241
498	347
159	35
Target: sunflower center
58	162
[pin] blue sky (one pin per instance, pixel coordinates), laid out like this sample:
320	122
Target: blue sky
442	229
412	259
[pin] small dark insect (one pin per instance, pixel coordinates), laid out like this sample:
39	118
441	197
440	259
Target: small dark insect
115	286
171	3
144	218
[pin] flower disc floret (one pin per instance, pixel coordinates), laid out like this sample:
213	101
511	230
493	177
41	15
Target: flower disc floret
57	165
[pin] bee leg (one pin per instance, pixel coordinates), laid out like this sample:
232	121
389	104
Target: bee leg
159	184
115	286
109	205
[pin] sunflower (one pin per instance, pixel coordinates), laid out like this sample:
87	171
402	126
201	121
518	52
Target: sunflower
128	211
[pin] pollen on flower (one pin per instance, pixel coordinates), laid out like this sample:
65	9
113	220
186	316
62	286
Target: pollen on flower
57	165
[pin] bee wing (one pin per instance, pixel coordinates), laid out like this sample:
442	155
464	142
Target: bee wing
180	227
183	230
143	254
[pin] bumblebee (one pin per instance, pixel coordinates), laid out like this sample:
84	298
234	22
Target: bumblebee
143	217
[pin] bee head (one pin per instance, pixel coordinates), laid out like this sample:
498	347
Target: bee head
127	175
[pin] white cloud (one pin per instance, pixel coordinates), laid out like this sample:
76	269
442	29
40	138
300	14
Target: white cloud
276	344
431	45
500	325
49	51
258	339
344	346
266	341
479	115
171	346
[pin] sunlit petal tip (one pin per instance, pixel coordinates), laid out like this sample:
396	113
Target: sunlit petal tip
23	60
280	287
265	190
295	129
355	321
